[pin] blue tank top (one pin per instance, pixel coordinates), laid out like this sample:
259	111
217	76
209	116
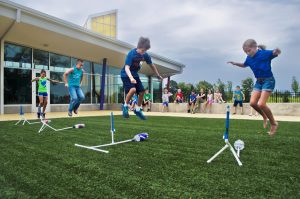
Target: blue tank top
75	77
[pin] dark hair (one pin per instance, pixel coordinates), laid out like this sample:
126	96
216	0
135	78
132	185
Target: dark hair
144	42
238	86
43	71
79	60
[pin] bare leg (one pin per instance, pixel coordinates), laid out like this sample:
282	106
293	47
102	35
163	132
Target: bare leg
262	103
45	104
234	110
129	95
254	104
140	99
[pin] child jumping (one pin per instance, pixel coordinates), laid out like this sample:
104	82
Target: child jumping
131	80
73	83
259	60
43	92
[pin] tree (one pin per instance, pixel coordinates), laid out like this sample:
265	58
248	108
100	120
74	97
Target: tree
229	90
204	85
295	85
173	86
247	85
221	87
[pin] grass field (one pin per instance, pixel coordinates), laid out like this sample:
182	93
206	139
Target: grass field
170	164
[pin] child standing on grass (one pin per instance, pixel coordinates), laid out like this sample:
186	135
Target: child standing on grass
130	78
238	97
165	100
43	92
259	60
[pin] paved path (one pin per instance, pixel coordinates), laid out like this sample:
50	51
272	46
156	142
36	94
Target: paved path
30	116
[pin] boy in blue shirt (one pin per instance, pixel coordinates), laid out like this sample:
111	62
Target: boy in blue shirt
192	102
129	75
238	98
259	60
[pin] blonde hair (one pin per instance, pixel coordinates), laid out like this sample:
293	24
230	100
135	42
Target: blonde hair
253	43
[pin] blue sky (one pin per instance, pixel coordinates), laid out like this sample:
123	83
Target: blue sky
203	35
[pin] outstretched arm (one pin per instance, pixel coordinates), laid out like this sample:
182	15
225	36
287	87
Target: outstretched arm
236	64
35	79
52	80
153	67
276	51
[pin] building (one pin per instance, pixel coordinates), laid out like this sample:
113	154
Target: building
31	41
105	23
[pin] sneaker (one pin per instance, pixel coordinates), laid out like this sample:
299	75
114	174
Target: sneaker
70	114
140	114
38	115
125	111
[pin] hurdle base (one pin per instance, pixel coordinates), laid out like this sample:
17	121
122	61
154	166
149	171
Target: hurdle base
45	125
91	148
227	145
24	120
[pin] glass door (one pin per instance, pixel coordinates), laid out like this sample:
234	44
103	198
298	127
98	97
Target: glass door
35	97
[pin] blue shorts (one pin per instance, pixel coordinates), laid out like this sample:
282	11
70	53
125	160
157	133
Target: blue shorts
166	104
128	85
236	102
43	94
264	84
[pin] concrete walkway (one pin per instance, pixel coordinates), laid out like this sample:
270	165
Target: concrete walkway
31	116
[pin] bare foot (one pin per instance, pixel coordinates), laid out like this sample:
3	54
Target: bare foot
273	129
265	122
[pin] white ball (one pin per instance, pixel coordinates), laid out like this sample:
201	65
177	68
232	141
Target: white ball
239	145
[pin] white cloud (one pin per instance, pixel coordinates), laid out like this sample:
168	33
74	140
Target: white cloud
201	34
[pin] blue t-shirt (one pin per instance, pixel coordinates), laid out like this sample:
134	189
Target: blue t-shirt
193	97
134	60
238	95
260	63
75	77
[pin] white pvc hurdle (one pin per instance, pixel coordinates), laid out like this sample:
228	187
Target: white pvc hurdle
137	138
45	125
23	119
227	143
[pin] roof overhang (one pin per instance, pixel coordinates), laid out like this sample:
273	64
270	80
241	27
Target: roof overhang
32	28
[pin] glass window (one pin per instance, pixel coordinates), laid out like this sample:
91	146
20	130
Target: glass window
157	90
59	63
17	86
40	59
116	89
58	93
17	56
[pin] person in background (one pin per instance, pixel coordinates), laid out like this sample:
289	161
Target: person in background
238	97
165	100
147	100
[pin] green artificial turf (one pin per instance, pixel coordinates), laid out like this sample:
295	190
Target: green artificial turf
170	164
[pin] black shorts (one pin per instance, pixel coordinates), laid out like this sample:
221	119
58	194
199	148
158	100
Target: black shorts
236	102
128	85
146	102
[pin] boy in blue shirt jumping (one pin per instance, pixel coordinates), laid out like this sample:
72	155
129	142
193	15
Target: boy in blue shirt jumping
129	75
